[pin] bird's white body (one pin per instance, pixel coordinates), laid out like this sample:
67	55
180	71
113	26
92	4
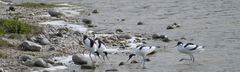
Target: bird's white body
144	50
189	49
89	44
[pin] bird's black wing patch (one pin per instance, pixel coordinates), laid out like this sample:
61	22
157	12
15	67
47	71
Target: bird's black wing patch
91	42
194	48
188	44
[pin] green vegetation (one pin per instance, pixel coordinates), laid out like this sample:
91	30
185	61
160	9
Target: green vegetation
38	5
18	29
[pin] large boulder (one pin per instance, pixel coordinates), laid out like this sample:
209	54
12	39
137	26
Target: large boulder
31	46
79	59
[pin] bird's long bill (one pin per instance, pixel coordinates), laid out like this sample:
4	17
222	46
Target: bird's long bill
130	56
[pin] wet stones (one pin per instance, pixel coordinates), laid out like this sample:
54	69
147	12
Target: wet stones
86	66
172	26
140	23
164	38
79	59
11	8
43	40
110	70
87	21
54	13
1	70
125	36
31	46
95	11
25	58
41	63
119	31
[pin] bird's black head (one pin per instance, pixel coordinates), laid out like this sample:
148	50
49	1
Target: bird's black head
106	54
179	43
130	56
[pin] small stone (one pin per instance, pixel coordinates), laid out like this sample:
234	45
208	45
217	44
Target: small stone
140	23
155	36
166	40
162	36
28	63
46	71
110	70
87	21
95	11
25	57
85	66
52	49
169	27
43	41
59	34
147	60
121	63
11	8
50	61
119	30
122	19
125	36
133	62
91	25
144	42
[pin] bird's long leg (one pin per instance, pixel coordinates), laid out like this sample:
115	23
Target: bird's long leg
143	61
90	56
192	58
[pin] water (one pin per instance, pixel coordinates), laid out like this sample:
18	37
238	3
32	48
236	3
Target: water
212	23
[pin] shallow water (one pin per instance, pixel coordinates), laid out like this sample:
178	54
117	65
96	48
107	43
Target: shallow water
212	23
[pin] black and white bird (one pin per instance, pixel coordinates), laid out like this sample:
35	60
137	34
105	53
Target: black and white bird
142	51
89	45
101	49
189	49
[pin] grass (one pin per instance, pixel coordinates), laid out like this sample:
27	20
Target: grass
38	5
17	28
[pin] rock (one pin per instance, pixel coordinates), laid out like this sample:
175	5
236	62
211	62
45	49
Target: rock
110	70
52	49
121	63
43	40
140	23
144	42
1	70
11	8
125	36
162	36
122	19
85	66
59	34
54	13
169	27
31	46
87	21
49	61
119	30
133	62
91	25
79	59
48	65
147	60
25	58
176	25
40	63
156	36
28	63
166	40
46	71
153	52
95	11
